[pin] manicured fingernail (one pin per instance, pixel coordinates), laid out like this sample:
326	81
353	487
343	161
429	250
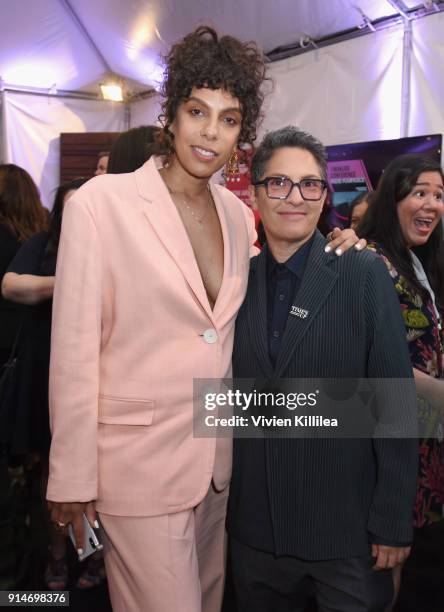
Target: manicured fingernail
80	551
338	252
96	524
358	246
327	248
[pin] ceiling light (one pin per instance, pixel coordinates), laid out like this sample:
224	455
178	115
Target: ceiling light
112	91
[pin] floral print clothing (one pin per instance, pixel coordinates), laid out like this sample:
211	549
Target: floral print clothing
425	341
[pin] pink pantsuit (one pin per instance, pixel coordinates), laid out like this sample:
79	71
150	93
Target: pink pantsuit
132	328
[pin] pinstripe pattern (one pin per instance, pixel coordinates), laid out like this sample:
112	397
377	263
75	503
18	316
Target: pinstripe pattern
324	496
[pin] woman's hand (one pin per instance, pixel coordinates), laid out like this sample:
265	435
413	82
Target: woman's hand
342	240
430	388
388	557
63	513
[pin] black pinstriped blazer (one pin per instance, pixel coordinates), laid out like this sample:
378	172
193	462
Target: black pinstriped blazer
325	498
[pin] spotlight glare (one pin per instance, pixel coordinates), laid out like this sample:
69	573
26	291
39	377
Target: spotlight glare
112	92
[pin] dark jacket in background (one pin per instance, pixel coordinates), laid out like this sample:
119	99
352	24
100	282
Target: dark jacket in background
31	426
10	313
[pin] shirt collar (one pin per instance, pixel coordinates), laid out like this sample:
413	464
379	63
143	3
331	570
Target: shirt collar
295	264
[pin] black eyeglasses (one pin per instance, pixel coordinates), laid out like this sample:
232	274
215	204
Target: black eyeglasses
280	187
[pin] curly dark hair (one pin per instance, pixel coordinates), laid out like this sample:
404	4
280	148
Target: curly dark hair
203	59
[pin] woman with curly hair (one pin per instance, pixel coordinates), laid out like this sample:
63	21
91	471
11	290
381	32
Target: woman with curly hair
152	270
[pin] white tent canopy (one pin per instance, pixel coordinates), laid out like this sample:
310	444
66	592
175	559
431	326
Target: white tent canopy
74	43
384	84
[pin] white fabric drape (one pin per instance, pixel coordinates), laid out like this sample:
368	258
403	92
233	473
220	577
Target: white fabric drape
347	92
427	85
145	112
351	91
33	127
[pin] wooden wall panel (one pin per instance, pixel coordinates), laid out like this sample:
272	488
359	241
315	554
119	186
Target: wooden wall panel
78	153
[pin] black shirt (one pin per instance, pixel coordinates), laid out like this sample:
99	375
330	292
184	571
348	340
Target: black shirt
31	432
10	313
283	281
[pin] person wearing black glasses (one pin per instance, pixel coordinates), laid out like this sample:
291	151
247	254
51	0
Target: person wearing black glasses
334	511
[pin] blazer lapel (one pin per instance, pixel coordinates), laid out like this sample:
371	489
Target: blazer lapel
222	308
317	282
164	217
257	312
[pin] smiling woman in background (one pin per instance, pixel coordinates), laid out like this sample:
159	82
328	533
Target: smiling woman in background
404	225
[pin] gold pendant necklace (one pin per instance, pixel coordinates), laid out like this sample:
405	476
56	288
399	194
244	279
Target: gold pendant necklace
198	220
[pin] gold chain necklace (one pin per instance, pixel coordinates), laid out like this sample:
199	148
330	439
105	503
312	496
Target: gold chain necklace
199	220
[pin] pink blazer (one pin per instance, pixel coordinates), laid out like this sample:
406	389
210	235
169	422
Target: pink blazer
132	328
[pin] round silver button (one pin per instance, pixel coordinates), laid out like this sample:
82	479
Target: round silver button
210	336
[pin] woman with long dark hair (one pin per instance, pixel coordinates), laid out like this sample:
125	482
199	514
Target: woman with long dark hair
29	280
21	216
404	225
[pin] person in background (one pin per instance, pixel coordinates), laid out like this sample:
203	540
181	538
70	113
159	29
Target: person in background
102	163
403	225
132	149
29	280
358	208
21	216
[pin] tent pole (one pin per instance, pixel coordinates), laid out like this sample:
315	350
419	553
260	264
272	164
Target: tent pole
2	125
74	16
406	78
35	91
127	116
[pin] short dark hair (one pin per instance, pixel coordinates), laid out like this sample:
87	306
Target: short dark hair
381	224
132	149
289	136
203	59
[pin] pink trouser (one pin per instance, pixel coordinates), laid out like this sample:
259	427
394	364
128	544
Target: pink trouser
168	563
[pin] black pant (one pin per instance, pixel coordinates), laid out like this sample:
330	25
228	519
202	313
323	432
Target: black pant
265	583
422	583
